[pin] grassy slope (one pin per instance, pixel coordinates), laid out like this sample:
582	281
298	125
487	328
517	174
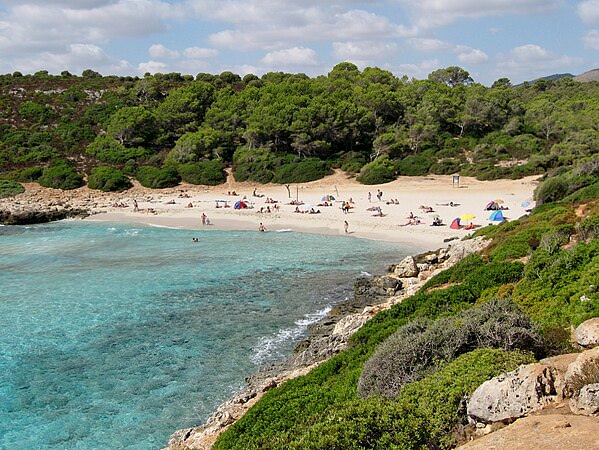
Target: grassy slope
321	409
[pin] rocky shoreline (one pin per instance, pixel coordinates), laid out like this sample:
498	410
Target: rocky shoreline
329	336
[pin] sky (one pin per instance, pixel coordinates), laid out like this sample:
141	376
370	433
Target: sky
518	39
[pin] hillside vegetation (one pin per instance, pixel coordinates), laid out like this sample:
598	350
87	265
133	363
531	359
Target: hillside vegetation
289	128
402	381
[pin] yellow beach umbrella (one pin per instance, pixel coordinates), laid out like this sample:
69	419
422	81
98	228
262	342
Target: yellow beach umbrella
467	217
499	201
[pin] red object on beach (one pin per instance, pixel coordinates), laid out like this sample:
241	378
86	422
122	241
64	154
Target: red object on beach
455	225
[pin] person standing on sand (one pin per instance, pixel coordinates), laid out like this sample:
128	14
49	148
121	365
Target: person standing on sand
346	226
203	218
261	227
369	197
135	206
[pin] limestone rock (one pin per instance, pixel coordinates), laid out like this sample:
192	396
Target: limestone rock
513	394
587	333
587	401
575	369
542	432
406	268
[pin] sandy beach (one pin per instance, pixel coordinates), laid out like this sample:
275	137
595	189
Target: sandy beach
182	207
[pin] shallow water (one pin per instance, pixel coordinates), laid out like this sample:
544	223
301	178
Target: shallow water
114	336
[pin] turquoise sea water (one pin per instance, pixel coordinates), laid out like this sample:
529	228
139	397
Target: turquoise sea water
114	336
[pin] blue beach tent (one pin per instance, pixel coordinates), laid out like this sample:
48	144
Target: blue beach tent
497	216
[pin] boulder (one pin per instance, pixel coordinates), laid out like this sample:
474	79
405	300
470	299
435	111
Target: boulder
541	432
406	268
513	394
572	378
368	289
586	403
587	333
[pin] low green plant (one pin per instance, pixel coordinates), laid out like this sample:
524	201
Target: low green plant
29	174
155	178
301	171
209	173
108	150
108	179
61	176
253	165
10	188
414	165
418	347
379	171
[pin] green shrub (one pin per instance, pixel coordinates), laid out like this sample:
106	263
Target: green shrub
425	415
589	228
208	173
155	178
417	348
414	165
108	150
301	171
29	174
108	179
9	188
36	112
378	171
61	176
253	165
446	166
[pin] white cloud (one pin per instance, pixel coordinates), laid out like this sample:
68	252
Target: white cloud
296	56
419	71
200	53
363	51
160	51
589	11
152	67
435	13
465	54
75	58
278	31
531	61
470	55
591	39
429	45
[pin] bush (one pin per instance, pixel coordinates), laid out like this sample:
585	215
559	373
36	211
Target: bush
155	178
416	349
108	179
61	176
446	167
29	174
208	173
589	228
108	150
378	171
414	165
253	165
9	188
301	171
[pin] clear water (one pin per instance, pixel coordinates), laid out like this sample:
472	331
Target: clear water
114	336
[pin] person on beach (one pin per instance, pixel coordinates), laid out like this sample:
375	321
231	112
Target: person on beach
135	206
369	197
346	226
261	227
204	217
379	194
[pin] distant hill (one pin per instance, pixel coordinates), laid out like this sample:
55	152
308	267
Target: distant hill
591	75
556	76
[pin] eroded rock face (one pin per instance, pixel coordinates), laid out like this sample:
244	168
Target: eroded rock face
542	432
513	394
575	369
406	268
587	333
586	403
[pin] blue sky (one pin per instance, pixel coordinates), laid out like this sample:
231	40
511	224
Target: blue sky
521	40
